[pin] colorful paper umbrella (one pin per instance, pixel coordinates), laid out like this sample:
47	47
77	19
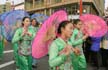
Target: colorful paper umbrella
39	17
2	18
4	15
1	30
46	33
95	43
12	22
94	25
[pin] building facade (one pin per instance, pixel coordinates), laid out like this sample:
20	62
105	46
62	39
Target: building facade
5	7
106	12
47	7
19	6
106	15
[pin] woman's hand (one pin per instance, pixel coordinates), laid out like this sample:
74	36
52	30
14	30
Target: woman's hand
76	51
28	34
50	34
24	33
65	51
85	37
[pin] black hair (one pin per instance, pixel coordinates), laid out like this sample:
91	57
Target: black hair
37	23
62	25
75	21
24	20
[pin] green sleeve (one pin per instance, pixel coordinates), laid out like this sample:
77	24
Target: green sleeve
33	34
54	58
17	36
73	41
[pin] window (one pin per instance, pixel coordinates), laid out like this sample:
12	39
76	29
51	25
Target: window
58	1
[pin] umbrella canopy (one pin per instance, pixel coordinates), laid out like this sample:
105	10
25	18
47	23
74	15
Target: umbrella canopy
94	25
39	17
1	30
12	22
2	18
4	15
46	34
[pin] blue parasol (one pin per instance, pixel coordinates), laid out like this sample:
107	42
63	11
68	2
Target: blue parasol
4	15
12	22
1	26
39	17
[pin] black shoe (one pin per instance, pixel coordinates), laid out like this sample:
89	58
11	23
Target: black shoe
96	68
34	66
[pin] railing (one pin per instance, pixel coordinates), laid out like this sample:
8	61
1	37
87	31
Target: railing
28	5
40	4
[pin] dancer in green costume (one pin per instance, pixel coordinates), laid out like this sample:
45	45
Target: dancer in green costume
35	27
60	51
15	45
76	40
24	36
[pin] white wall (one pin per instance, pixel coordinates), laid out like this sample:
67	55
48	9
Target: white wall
73	17
19	7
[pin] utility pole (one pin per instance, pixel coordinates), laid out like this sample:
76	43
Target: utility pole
81	7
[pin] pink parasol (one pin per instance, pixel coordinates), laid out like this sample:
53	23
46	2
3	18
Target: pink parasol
46	34
94	25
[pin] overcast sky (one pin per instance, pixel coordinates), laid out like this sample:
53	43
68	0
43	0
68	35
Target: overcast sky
19	1
15	1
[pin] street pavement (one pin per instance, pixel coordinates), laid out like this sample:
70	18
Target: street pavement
8	62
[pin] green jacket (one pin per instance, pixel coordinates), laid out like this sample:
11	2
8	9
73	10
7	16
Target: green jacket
56	60
79	62
24	42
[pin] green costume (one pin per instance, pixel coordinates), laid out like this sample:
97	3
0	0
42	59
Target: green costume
79	61
1	42
34	62
34	28
15	48
63	62
24	48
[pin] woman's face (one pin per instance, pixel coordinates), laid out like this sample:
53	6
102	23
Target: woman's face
40	25
34	23
68	30
78	25
26	22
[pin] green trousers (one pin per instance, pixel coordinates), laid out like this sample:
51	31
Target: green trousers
25	62
15	48
1	48
79	62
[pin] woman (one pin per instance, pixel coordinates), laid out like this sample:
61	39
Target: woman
60	50
35	27
15	45
104	50
76	40
40	24
24	37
